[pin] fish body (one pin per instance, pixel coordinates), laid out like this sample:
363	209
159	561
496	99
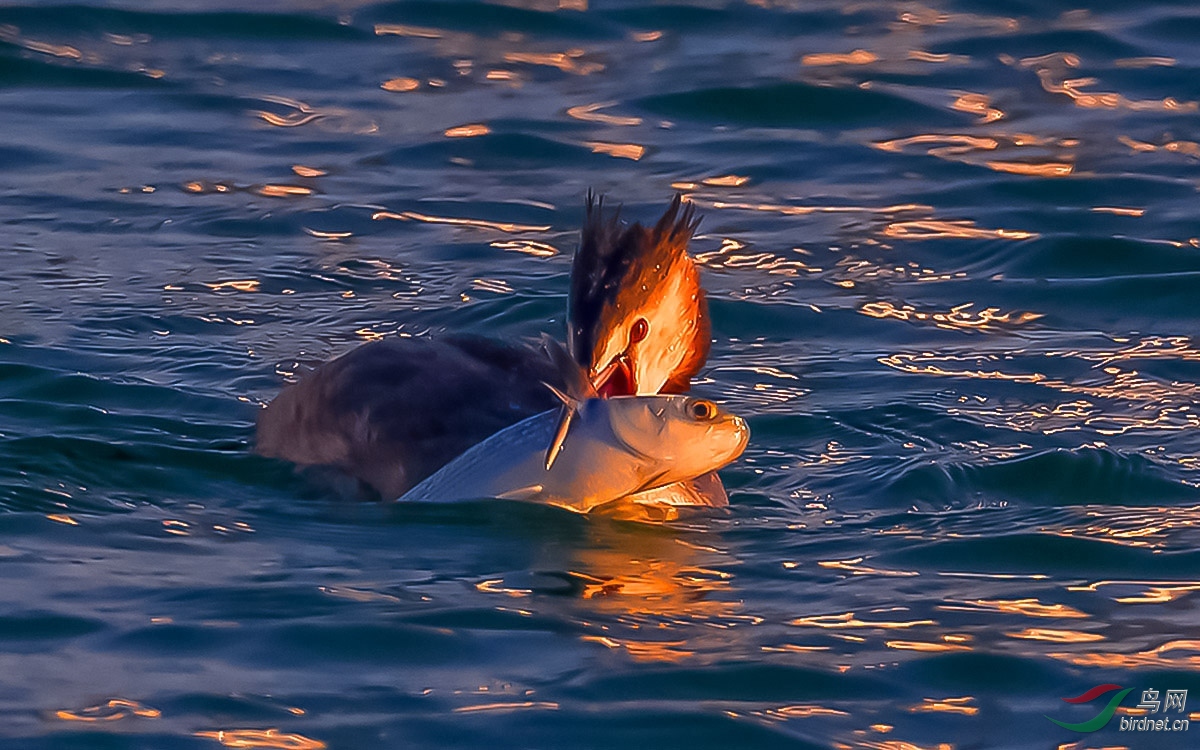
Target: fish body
615	447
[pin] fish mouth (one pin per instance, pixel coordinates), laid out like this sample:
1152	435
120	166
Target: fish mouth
616	378
741	431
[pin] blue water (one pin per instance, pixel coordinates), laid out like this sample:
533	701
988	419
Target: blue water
951	251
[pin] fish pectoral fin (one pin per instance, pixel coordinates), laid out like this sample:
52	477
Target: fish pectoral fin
574	377
560	434
521	493
567	400
705	491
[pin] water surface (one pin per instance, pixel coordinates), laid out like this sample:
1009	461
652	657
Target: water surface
951	252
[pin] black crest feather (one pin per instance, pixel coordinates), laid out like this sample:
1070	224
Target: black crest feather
609	252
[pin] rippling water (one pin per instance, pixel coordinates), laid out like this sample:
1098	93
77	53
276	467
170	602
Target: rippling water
952	252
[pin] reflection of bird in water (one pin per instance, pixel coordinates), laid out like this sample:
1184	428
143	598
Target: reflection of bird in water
392	412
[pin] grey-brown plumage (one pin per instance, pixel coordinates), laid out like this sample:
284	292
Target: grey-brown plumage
392	412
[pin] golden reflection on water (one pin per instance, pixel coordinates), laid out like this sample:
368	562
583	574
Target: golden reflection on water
796	711
891	745
506	76
792	648
1118	211
619	150
1048	157
546	6
1026	607
1042	169
728	180
926	646
857	57
1159	594
467	131
112	710
669	652
1151	347
920	16
918	55
536	249
789	210
270	738
1107	100
304	114
931	229
1055	636
592	113
643	594
506	706
1053	71
1188	148
322	235
495	286
400	85
335	119
1163	405
849	620
506	227
1145	62
359	595
570	61
1133	527
733	255
977	104
282	191
954	144
646	36
1159	657
398	29
855	567
1153	592
959	317
959	705
202	186
56	50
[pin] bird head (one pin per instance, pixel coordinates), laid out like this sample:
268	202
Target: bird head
637	315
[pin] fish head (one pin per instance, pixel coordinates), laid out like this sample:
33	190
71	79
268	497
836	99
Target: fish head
676	438
637	315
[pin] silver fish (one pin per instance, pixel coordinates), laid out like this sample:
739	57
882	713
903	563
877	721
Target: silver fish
615	447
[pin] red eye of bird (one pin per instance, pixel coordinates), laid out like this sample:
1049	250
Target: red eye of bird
639	331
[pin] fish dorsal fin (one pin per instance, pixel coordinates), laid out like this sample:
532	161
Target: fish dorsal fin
564	398
579	388
521	493
575	379
565	415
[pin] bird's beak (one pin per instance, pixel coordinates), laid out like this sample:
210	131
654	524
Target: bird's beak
617	377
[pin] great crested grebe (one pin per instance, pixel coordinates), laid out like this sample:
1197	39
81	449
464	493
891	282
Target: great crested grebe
392	412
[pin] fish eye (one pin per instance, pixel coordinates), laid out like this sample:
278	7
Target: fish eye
641	329
704	410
